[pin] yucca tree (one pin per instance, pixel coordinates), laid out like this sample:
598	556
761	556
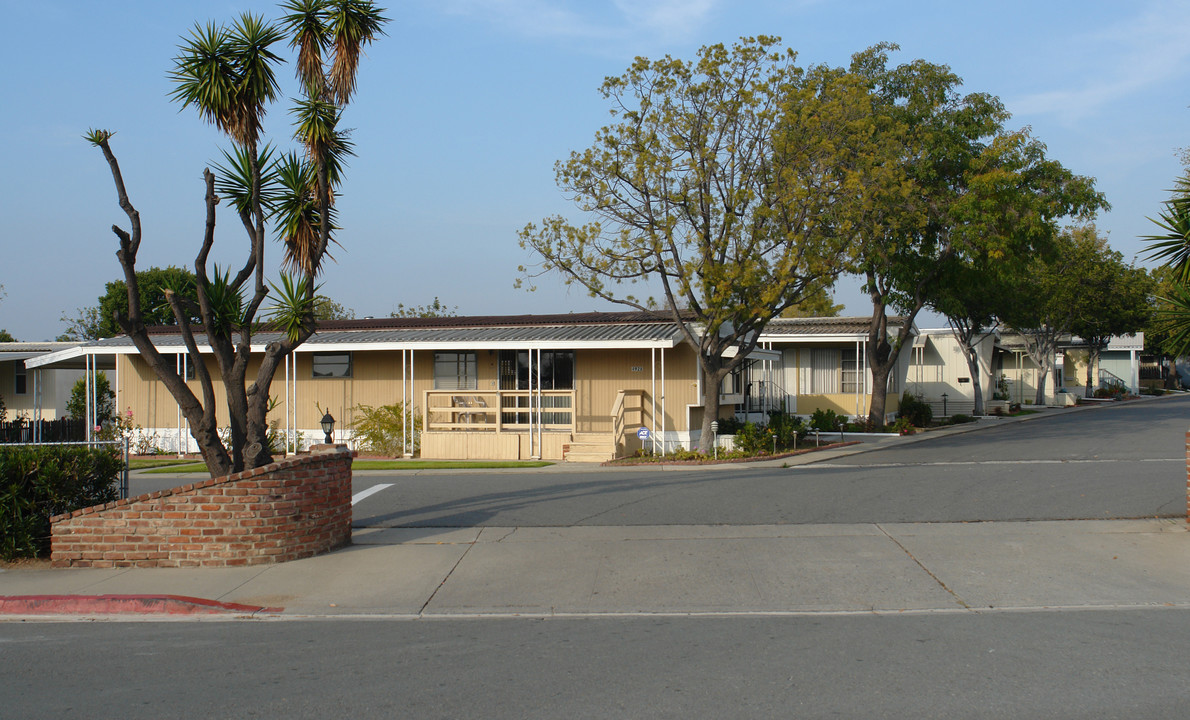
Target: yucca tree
228	74
1172	247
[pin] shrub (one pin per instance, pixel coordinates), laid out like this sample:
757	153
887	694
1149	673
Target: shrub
105	400
959	419
825	420
730	425
902	427
38	482
752	438
916	410
381	429
786	428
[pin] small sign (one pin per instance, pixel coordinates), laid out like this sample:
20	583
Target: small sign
643	433
637	368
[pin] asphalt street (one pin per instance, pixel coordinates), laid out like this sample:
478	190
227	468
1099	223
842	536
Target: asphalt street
1113	462
1085	665
853	586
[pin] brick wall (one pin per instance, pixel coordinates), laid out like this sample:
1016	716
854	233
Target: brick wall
287	510
1188	477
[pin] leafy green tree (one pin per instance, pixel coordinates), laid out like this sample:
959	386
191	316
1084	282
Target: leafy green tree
818	302
99	321
971	297
729	181
327	309
1047	299
967	188
105	400
83	325
228	74
1114	301
429	310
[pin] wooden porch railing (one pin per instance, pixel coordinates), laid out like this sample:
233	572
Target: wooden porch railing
627	401
498	410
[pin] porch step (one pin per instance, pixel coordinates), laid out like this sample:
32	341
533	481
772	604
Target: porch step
589	447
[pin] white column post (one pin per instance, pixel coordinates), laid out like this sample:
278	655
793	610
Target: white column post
90	402
653	398
663	439
36	406
1135	379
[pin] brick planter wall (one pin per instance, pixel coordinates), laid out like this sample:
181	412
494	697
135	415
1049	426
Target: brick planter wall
290	509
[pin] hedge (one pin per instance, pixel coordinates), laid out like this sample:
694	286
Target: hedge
40	481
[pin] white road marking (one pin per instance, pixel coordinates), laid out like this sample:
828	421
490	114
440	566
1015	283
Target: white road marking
810	466
370	491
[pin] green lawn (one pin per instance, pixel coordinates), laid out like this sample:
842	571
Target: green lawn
168	466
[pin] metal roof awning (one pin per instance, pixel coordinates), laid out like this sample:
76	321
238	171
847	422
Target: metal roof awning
756	354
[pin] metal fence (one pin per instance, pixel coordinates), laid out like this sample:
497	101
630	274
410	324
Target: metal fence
121	445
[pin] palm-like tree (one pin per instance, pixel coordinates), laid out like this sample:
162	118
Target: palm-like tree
1172	247
228	73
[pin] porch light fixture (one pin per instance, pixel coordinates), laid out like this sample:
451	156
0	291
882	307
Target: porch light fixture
328	427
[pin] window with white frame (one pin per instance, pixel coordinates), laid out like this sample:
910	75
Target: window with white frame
455	370
332	364
850	372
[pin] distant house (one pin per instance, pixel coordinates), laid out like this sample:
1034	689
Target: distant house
939	373
31	393
939	367
566	386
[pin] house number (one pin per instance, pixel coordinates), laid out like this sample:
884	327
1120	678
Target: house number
637	368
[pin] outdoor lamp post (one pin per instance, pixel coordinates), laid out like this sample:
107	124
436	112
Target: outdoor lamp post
944	405
715	432
328	427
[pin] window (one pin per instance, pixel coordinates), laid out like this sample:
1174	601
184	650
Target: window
455	371
850	372
186	361
332	365
20	379
557	370
556	373
820	372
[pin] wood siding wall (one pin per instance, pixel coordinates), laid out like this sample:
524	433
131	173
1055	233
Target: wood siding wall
376	380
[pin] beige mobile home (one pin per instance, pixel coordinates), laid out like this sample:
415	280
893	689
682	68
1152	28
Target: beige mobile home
584	386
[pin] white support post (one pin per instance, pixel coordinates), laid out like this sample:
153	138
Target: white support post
90	402
664	449
540	419
404	403
288	430
181	370
532	454
36	406
1135	372
653	398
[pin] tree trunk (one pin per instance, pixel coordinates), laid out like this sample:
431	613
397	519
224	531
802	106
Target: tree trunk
713	373
976	385
1043	374
876	410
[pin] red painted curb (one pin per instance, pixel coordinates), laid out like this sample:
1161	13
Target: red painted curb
121	604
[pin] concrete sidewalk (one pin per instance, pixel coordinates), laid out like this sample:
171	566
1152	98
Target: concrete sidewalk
676	569
886	568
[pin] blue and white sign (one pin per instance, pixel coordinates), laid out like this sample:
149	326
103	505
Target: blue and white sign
643	433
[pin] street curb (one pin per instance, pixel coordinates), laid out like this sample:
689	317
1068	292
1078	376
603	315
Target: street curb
122	604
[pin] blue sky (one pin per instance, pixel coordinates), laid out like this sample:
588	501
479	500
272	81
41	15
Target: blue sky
465	106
